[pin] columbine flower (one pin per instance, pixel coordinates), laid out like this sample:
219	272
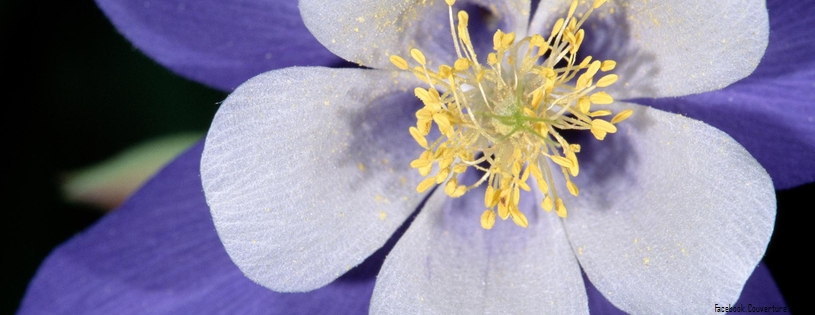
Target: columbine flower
307	170
159	254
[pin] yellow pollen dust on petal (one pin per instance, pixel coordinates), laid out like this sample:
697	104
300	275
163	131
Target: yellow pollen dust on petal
504	118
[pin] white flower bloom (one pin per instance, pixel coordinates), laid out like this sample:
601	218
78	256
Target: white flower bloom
307	170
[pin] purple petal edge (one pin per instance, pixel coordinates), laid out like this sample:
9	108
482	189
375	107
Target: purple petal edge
219	43
159	254
759	291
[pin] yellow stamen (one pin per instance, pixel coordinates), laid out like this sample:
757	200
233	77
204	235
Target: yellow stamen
420	139
425	184
519	218
418	56
399	62
560	209
607	80
601	98
623	115
608	65
488	219
505	118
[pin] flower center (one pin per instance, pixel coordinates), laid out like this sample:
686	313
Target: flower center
505	117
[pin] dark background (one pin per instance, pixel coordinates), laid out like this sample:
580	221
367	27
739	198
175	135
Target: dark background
76	92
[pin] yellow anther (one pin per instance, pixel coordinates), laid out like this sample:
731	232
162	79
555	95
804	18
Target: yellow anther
450	2
492	60
422	94
537	41
441	151
603	125
424	171
583	81
430	98
442	175
420	139
497	38
516	169
542	49
536	173
537	98
463	19
444	124
578	40
399	62
569	36
584	105
572	7
572	25
490	197
420	163
519	218
579	37
465	155
461	64
623	115
575	168
516	197
598	134
607	80
593	68
459	168
546	204
446	161
572	188
453	189
585	62
507	40
600	113
558	26
503	210
560	209
598	3
424	126
601	98
418	56
445	71
562	161
608	65
426	184
488	219
522	184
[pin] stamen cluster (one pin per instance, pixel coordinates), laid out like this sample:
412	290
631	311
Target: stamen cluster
505	117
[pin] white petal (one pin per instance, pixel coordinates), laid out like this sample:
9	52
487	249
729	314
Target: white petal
673	214
306	172
671	48
369	31
447	264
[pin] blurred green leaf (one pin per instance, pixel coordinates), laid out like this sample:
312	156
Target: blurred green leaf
107	184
